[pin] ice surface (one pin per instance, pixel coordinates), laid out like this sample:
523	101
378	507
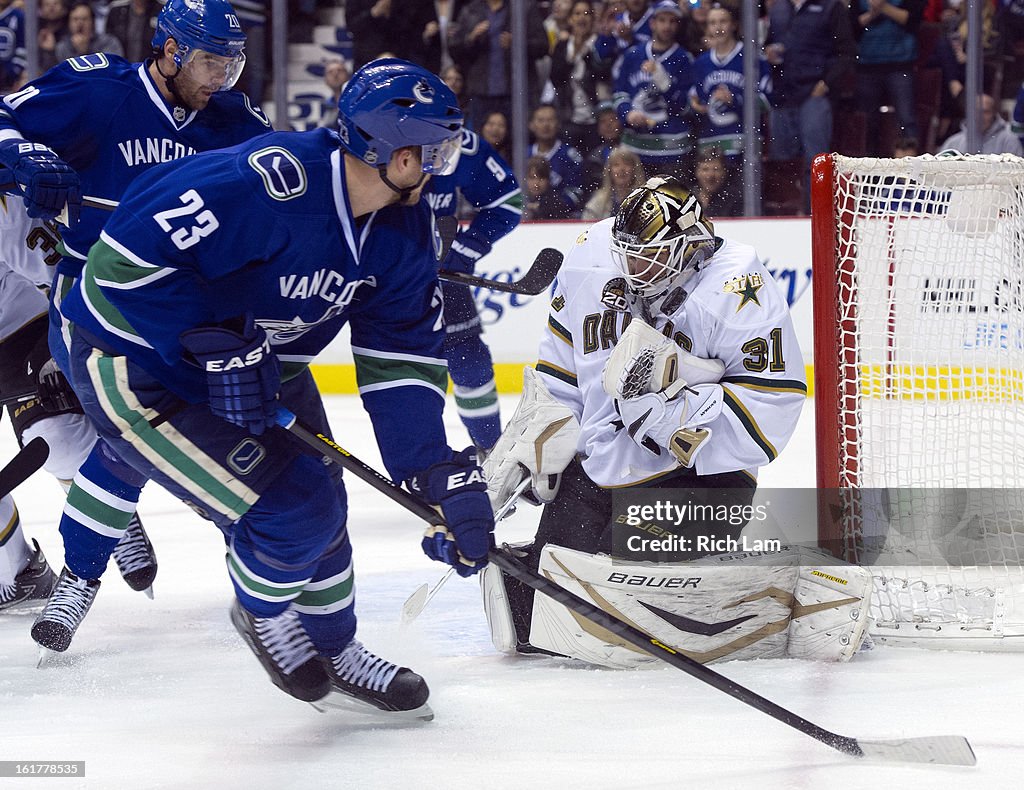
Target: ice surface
163	693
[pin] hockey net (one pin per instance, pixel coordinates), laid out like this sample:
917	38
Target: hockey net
919	390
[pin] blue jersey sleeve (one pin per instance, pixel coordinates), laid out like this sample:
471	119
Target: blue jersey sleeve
72	108
487	183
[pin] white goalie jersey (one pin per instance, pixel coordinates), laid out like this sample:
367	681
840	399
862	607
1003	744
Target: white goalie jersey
733	312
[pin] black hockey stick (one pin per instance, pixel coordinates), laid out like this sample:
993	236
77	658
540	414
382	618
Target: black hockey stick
940	749
539	276
26	463
536	280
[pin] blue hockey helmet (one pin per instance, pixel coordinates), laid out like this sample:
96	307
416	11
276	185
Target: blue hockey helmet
203	26
390	104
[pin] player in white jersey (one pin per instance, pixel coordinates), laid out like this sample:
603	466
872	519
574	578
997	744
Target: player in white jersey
28	255
669	362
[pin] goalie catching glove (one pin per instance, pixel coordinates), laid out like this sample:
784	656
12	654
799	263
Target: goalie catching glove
538	442
458	488
663	394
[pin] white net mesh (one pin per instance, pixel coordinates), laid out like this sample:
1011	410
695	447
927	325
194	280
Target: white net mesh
930	320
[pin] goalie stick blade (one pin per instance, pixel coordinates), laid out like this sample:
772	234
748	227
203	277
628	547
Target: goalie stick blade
543	270
414	604
32	456
938	750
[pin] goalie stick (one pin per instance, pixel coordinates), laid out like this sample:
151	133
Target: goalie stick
26	463
939	749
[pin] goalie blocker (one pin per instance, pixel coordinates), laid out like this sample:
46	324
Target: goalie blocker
796	603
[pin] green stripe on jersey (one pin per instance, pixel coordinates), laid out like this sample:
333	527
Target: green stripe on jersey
260	590
104	263
559	373
560	331
108	264
385	370
771	385
515	201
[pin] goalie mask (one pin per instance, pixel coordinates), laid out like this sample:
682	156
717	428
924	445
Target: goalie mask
660	236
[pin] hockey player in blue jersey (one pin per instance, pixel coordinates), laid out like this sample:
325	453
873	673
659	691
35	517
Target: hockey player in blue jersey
212	287
485	180
91	125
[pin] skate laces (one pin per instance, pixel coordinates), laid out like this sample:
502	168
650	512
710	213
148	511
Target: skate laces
358	666
285	639
132	552
69	601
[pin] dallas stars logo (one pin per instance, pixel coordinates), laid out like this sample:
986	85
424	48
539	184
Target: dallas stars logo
745	287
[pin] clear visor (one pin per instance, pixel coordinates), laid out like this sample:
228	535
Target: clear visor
441	159
216	72
649	268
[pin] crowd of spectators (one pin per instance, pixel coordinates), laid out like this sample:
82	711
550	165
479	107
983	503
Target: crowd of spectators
621	88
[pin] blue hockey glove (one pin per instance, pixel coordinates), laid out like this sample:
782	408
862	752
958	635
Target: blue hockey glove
46	181
466	251
242	372
458	487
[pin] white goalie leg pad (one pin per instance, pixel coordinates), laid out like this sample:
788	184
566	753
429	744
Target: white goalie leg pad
14	550
497	610
539	441
556	628
645	361
831	610
724	607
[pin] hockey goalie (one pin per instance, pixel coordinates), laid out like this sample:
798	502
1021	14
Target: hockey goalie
669	362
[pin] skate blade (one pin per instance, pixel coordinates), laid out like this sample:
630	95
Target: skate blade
45	654
148	592
337	700
22	608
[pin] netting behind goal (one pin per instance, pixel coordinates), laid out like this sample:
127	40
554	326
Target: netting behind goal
919	388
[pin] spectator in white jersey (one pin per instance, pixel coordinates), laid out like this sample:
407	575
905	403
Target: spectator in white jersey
669	361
